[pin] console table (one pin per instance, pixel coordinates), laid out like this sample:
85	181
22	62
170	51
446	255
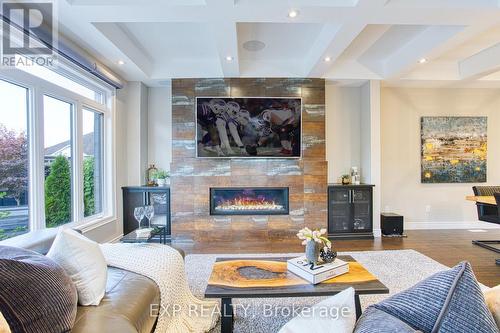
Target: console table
158	197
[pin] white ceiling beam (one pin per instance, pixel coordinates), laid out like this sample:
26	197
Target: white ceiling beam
87	36
372	11
302	3
132	49
225	35
444	4
226	41
134	2
368	37
351	70
481	64
467	34
332	40
408	55
366	4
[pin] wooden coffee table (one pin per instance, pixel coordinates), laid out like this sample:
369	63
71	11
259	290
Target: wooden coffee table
269	277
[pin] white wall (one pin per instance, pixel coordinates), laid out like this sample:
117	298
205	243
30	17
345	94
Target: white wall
135	108
144	126
121	162
371	146
160	127
353	136
343	125
365	134
402	191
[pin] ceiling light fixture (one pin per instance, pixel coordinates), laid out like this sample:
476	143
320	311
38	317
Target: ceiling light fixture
121	62
293	13
422	61
328	59
229	58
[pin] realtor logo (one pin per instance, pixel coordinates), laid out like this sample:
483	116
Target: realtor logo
28	29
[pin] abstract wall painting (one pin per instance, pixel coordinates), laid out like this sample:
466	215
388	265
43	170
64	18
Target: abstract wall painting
454	149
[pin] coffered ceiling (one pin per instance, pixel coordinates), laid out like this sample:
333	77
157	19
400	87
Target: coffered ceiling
398	41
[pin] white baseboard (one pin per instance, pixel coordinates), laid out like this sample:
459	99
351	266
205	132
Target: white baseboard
377	233
450	225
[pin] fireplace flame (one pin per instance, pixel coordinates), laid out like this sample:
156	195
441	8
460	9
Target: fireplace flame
248	203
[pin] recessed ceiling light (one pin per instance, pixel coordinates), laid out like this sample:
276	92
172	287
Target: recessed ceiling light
121	62
293	13
229	58
422	61
327	59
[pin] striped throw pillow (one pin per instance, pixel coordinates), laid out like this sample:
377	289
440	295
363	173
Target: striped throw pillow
36	294
450	301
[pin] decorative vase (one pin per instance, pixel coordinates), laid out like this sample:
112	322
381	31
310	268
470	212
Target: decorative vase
312	252
150	181
328	255
161	182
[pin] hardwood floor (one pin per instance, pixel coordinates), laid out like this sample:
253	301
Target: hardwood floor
445	246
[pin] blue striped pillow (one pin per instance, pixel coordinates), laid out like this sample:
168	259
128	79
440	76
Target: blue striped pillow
377	321
449	301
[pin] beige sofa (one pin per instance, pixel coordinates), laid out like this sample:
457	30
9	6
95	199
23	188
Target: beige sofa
126	305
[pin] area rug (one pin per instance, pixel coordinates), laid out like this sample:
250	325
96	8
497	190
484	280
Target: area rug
398	270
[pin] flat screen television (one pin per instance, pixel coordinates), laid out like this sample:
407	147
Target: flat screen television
248	127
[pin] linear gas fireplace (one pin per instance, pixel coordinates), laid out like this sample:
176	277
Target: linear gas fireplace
249	201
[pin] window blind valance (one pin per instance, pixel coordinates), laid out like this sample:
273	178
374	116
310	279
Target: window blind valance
69	52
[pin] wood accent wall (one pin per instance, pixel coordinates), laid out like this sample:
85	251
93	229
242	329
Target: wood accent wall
191	178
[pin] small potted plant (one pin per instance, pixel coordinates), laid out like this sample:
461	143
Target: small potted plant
346	179
316	243
161	177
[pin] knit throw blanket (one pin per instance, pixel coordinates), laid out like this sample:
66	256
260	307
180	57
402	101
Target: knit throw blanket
179	311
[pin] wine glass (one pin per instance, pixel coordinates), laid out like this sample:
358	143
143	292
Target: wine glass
149	211
139	214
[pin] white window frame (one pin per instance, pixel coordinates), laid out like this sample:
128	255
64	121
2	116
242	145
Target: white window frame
37	88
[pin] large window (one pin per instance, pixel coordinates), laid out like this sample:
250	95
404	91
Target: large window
14	176
56	147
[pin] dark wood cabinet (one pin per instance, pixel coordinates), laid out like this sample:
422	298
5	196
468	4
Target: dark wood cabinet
350	211
135	196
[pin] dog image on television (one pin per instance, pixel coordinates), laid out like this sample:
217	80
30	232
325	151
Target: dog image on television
248	127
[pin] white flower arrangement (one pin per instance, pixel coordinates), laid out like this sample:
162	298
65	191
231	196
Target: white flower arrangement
307	235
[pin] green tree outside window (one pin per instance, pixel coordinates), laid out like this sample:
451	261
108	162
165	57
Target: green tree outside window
88	186
58	193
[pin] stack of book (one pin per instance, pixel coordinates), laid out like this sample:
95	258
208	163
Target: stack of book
143	232
317	273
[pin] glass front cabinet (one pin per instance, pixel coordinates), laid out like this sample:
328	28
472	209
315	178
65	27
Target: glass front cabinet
350	211
137	196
